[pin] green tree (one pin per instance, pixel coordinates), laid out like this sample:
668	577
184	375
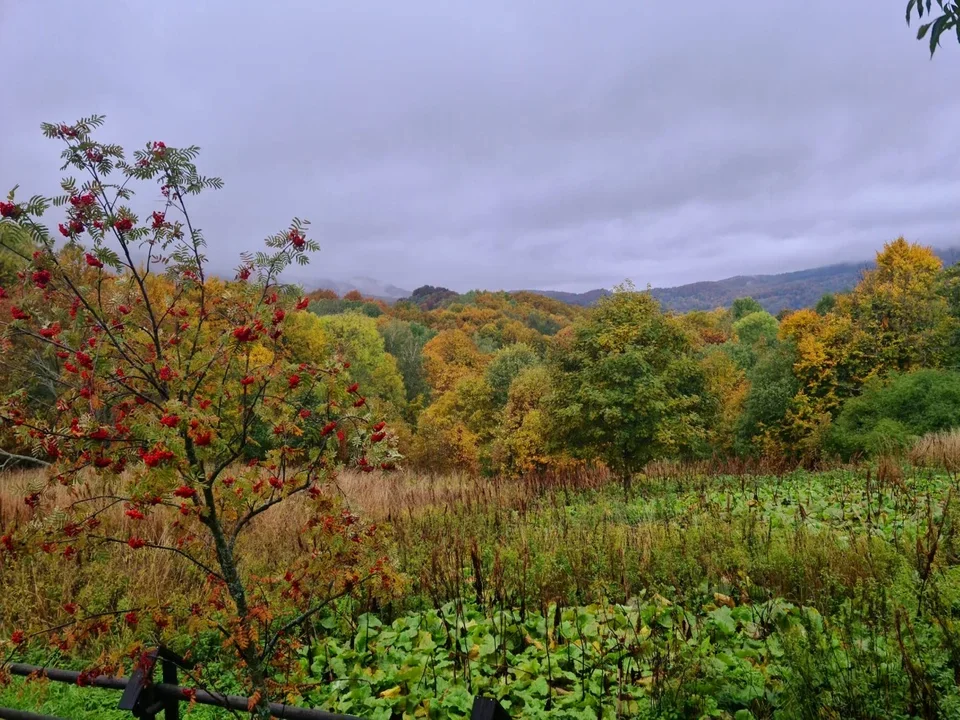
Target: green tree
405	341
354	338
744	306
757	327
754	335
16	247
947	20
337	306
628	388
826	303
948	287
506	364
771	391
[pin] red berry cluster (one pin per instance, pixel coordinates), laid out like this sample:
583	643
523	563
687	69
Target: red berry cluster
296	239
9	210
156	456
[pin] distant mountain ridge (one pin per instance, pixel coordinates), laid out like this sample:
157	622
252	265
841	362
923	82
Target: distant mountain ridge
775	292
583	299
790	290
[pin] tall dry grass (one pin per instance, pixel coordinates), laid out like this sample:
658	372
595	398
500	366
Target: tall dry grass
397	495
39	588
938	449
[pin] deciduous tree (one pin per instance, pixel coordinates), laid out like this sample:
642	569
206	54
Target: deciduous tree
902	319
507	364
629	388
159	373
405	341
744	306
451	356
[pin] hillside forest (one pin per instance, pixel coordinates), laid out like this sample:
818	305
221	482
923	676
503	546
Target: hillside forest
500	383
515	383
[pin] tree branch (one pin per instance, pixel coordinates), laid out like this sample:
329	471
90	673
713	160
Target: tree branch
177	551
25	458
304	616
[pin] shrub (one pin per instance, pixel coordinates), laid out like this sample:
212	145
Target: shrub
892	412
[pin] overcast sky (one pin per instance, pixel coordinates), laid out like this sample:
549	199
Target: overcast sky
514	144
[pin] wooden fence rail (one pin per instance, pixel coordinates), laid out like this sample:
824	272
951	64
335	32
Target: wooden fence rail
145	699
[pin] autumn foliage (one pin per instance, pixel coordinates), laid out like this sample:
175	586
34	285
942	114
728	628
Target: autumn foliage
151	380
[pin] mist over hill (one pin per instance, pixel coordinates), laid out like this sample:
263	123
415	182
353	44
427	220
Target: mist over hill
790	290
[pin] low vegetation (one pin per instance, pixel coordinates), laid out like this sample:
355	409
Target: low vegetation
717	595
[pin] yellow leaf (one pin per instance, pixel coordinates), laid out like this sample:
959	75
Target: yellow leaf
391	693
722	599
530	641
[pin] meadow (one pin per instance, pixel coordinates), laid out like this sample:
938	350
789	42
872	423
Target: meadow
708	592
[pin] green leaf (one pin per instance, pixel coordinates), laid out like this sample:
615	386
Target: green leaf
923	30
936	31
539	687
724	620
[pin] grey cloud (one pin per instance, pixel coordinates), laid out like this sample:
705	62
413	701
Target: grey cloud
528	143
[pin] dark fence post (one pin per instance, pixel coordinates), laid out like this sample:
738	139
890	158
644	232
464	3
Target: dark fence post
137	695
488	709
140	696
144	698
171	706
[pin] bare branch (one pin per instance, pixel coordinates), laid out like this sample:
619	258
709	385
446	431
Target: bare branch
24	458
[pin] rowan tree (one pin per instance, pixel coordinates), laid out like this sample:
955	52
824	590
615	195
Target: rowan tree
157	374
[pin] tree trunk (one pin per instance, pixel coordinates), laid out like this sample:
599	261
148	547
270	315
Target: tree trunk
626	479
255	665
